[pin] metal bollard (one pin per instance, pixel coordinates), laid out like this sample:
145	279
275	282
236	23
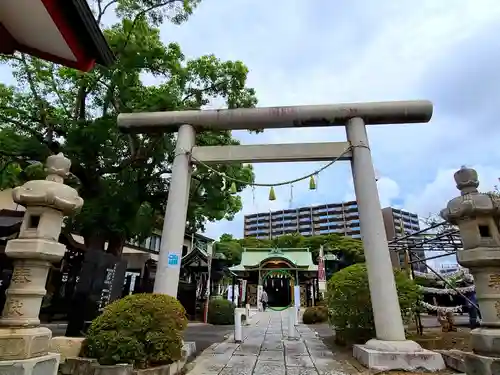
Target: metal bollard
247	307
291	322
238	330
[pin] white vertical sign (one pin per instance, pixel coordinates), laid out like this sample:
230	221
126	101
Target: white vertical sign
296	293
259	295
243	290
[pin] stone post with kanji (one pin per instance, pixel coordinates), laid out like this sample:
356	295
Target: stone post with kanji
477	216
23	343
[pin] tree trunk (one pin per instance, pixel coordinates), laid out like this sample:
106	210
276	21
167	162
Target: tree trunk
115	245
95	241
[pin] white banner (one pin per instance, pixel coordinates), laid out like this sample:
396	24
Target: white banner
243	290
296	290
296	295
322	286
260	288
230	290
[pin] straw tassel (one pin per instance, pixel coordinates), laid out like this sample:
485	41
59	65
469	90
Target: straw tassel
233	189
272	195
312	183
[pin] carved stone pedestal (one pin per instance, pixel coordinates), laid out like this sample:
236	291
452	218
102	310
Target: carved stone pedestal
406	355
44	365
22	343
486	341
481	365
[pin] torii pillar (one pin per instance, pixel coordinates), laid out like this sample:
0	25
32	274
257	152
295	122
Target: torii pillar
387	315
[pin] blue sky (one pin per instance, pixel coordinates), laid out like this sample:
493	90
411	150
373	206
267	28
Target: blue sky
305	52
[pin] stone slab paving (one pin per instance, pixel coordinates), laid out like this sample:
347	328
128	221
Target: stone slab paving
267	350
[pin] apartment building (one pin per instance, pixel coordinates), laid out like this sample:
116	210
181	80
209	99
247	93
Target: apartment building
339	218
447	269
399	223
316	220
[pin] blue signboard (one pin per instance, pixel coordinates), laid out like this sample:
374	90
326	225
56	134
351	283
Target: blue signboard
173	260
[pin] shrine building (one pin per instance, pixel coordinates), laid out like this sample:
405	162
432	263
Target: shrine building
284	274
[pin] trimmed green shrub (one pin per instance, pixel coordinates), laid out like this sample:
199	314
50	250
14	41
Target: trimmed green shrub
349	303
141	329
220	312
315	314
321	302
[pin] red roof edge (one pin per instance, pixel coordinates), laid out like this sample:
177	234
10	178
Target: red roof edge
88	31
84	59
81	32
9	44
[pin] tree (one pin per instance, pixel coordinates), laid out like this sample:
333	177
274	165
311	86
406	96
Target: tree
124	179
231	249
348	250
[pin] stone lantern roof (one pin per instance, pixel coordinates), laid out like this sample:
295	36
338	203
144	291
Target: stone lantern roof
471	202
51	192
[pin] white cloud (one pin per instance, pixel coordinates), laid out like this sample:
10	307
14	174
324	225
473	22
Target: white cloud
434	196
388	190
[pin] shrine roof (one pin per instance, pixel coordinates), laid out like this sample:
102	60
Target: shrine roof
251	258
60	31
10	222
193	255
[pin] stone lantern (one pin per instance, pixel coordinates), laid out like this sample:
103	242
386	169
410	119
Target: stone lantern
477	216
23	343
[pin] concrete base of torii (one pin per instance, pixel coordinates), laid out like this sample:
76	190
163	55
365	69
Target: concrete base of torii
486	344
405	355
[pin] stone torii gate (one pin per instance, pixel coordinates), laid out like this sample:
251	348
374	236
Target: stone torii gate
388	322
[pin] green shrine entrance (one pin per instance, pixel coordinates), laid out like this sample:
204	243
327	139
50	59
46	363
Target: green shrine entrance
289	276
279	287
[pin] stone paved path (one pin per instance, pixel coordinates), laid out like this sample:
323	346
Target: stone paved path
266	350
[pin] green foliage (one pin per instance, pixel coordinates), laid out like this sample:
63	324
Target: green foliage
349	303
157	11
315	314
123	179
142	329
231	249
220	312
321	302
425	282
454	281
349	250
